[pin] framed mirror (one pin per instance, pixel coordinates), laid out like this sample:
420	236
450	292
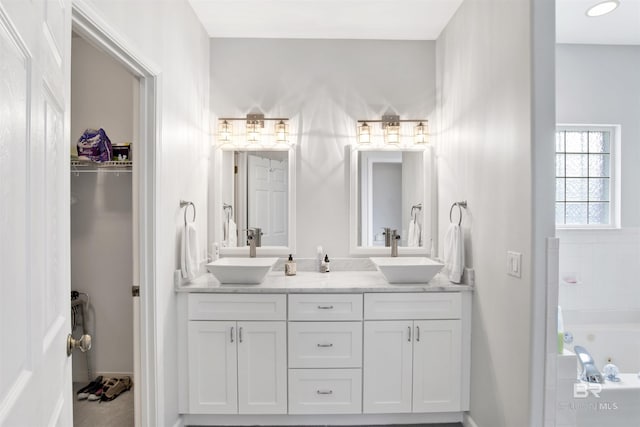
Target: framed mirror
255	188
391	188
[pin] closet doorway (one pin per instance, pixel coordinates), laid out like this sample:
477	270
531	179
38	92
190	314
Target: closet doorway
104	123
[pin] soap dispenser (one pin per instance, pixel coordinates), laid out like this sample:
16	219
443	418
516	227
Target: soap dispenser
324	268
290	267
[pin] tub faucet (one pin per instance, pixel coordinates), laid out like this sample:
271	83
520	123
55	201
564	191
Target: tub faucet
590	373
395	237
254	236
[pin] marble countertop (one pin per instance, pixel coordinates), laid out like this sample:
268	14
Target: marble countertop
314	282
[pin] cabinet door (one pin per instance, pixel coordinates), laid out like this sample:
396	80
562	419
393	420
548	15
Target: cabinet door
387	366
436	365
212	368
262	367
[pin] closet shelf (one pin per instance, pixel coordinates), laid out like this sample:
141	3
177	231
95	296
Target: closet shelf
90	167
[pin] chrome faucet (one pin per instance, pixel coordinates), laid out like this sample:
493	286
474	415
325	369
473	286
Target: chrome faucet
395	237
590	373
254	236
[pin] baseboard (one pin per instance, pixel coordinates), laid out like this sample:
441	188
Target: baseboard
321	419
116	374
467	421
107	375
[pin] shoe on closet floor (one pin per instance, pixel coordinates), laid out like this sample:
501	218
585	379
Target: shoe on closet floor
90	388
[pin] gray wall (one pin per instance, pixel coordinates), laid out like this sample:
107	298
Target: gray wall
101	217
484	156
327	85
599	84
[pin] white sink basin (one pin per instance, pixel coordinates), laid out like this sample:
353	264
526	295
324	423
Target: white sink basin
245	271
407	269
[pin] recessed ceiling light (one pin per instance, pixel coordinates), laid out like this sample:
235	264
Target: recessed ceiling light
602	8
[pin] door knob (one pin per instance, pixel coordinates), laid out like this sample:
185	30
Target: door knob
84	343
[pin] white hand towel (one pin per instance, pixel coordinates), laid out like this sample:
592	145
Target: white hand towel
189	262
414	234
232	231
225	234
454	253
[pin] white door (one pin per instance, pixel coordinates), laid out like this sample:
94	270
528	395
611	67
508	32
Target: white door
268	198
262	367
437	380
213	367
35	372
387	368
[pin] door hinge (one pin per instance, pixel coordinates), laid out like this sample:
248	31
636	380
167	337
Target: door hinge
135	291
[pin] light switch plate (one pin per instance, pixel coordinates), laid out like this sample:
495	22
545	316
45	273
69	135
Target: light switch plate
514	264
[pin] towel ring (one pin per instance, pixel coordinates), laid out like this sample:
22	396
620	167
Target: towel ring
460	205
185	204
228	209
415	208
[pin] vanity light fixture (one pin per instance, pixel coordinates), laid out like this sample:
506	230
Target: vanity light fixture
364	133
420	133
602	8
225	131
255	125
255	132
391	126
282	131
392	131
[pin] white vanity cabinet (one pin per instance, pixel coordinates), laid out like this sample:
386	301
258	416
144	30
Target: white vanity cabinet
413	348
235	365
341	358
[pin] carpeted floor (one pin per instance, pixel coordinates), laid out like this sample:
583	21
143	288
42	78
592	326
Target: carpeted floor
118	412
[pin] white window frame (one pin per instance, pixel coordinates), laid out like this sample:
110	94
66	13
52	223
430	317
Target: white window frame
614	177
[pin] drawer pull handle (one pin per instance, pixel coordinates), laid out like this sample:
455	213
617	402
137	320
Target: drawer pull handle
240	334
409	329
417	333
231	334
325	307
325	345
324	391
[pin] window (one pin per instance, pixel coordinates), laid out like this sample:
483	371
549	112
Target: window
585	184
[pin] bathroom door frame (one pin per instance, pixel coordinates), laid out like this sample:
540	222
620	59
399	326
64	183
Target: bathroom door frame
92	28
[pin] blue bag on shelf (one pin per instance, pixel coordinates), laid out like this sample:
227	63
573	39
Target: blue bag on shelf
95	145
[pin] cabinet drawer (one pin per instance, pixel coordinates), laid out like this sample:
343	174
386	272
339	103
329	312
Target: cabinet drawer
325	391
237	307
325	344
325	307
436	305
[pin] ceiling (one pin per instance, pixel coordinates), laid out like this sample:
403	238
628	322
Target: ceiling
622	26
394	19
326	19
